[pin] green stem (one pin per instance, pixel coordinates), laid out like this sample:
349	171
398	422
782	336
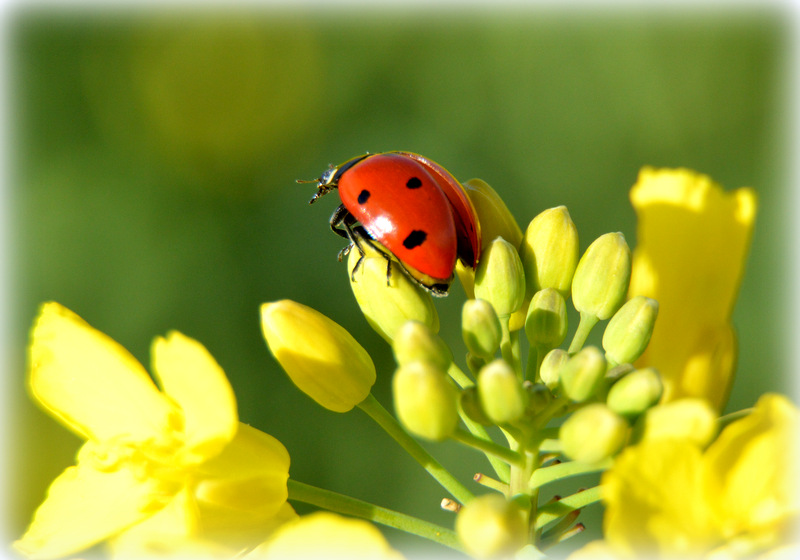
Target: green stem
375	410
585	326
458	375
507	348
346	505
487	446
733	417
555	510
566	470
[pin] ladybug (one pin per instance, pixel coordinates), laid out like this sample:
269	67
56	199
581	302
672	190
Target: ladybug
412	207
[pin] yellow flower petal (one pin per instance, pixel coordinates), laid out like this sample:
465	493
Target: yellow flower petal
752	470
693	240
194	380
651	501
83	507
250	474
326	535
90	383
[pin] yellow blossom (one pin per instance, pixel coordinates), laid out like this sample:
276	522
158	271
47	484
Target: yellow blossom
326	535
178	454
667	498
692	242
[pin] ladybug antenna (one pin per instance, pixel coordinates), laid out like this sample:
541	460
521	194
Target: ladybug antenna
306	180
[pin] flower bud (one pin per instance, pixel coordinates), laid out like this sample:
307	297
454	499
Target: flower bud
388	303
581	375
320	356
550	370
470	404
425	400
539	396
500	279
691	419
416	341
601	279
480	328
593	433
628	332
635	392
546	324
500	392
549	252
493	214
489	526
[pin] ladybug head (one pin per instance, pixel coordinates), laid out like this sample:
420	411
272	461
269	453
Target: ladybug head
329	180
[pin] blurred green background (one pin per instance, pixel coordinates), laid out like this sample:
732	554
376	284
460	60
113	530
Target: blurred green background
154	157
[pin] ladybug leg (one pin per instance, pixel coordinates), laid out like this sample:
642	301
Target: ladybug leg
341	222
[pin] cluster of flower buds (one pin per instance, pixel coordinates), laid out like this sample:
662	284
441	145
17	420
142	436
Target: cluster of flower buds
522	286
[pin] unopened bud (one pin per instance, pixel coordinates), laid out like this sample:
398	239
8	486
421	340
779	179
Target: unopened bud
425	400
581	375
546	324
550	370
539	396
319	355
387	303
635	392
628	332
415	341
691	419
501	394
549	252
480	328
470	404
489	526
593	433
500	279
493	214
601	279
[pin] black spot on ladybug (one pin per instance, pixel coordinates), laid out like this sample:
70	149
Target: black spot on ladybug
363	196
414	183
414	239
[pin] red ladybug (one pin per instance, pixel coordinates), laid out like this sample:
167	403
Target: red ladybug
410	205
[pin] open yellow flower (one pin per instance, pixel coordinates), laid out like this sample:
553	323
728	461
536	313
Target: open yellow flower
668	498
693	240
326	535
176	464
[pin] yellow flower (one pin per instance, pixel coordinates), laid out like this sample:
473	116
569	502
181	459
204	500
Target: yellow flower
693	240
667	498
179	455
318	354
326	535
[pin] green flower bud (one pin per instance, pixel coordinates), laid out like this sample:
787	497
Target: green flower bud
593	433
480	328
601	280
388	307
415	341
546	324
539	396
500	279
470	405
581	375
691	419
320	356
550	371
425	400
635	392
489	526
549	252
493	214
628	332
501	394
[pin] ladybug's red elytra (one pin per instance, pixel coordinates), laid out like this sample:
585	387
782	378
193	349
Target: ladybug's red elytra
410	205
